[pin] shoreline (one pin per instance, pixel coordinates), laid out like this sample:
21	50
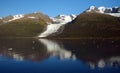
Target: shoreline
75	38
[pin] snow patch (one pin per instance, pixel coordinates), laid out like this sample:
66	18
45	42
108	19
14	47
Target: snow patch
101	9
16	17
114	14
32	17
91	8
73	16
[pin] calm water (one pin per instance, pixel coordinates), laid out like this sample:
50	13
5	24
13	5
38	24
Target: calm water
59	56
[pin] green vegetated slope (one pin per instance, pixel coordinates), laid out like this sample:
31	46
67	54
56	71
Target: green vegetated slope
25	27
91	24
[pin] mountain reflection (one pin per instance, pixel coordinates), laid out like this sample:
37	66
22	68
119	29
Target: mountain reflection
55	49
95	53
23	49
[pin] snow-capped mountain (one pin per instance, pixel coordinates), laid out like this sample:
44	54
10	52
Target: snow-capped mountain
11	18
57	25
92	8
63	18
92	24
58	22
35	15
115	11
24	25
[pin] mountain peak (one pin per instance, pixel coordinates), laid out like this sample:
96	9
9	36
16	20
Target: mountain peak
103	9
92	9
113	11
62	18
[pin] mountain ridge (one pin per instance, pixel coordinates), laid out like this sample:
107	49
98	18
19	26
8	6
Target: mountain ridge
113	11
91	23
24	27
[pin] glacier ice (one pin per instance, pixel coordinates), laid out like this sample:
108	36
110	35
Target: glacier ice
61	20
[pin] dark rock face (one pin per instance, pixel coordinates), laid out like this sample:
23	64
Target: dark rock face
108	10
119	10
114	10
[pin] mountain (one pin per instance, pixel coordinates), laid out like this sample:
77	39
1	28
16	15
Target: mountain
92	24
27	25
6	19
103	9
11	18
35	15
115	11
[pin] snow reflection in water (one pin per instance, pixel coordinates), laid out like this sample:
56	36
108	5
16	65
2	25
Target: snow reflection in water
56	50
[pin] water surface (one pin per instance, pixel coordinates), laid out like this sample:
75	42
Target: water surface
59	56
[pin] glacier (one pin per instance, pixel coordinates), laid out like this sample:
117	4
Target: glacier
60	21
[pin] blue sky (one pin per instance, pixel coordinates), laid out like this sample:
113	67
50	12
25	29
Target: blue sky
51	7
